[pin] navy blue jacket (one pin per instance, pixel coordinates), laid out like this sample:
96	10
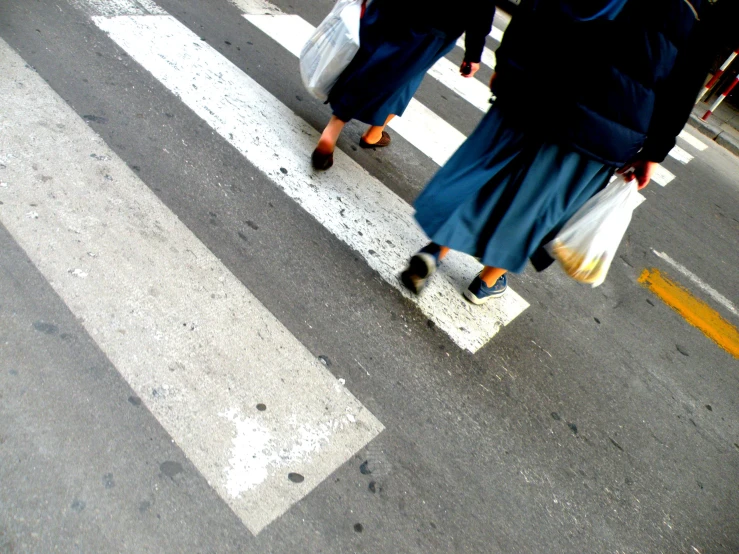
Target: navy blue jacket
614	90
472	17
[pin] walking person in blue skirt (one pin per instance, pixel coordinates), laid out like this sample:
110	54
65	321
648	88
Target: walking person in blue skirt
583	87
399	42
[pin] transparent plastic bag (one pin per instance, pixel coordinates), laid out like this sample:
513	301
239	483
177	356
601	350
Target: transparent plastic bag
587	244
332	47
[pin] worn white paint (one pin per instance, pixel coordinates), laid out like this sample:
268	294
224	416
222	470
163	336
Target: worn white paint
198	348
420	126
346	200
496	34
680	155
256	451
111	8
488	58
289	31
693	141
708	289
257	7
292	32
248	464
662	176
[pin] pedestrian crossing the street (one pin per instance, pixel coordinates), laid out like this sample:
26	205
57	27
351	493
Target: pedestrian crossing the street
488	55
352	204
427	131
496	33
152	309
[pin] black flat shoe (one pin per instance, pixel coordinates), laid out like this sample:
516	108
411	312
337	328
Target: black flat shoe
322	161
382	143
421	267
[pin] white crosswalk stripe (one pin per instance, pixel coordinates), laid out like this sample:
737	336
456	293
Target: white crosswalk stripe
350	203
692	140
420	126
423	128
189	338
118	7
680	155
496	34
129	293
197	347
663	176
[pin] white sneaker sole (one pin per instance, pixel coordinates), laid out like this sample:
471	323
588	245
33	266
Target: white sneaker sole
479	301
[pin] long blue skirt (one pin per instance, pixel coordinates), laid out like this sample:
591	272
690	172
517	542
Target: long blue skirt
505	193
388	69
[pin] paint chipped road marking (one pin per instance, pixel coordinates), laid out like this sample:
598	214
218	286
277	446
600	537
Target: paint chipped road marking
419	125
247	403
357	208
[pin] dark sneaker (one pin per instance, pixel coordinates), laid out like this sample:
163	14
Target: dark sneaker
479	293
420	268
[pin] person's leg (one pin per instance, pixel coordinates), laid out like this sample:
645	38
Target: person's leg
490	275
489	283
323	156
374	133
422	266
436	250
330	135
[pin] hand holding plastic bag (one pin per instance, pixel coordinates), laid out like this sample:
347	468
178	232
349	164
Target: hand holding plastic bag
332	47
587	244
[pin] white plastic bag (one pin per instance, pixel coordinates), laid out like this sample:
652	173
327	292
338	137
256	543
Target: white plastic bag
587	244
331	48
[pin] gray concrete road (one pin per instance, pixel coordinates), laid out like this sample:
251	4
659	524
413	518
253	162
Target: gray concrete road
598	420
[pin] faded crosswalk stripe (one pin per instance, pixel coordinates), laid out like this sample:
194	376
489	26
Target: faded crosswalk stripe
419	125
189	338
680	155
199	349
347	201
692	140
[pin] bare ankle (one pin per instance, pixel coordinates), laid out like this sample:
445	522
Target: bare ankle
372	135
325	146
490	275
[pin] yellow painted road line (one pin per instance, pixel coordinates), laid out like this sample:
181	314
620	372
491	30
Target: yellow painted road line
695	312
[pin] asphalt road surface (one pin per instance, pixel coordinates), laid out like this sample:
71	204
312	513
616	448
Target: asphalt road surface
204	346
